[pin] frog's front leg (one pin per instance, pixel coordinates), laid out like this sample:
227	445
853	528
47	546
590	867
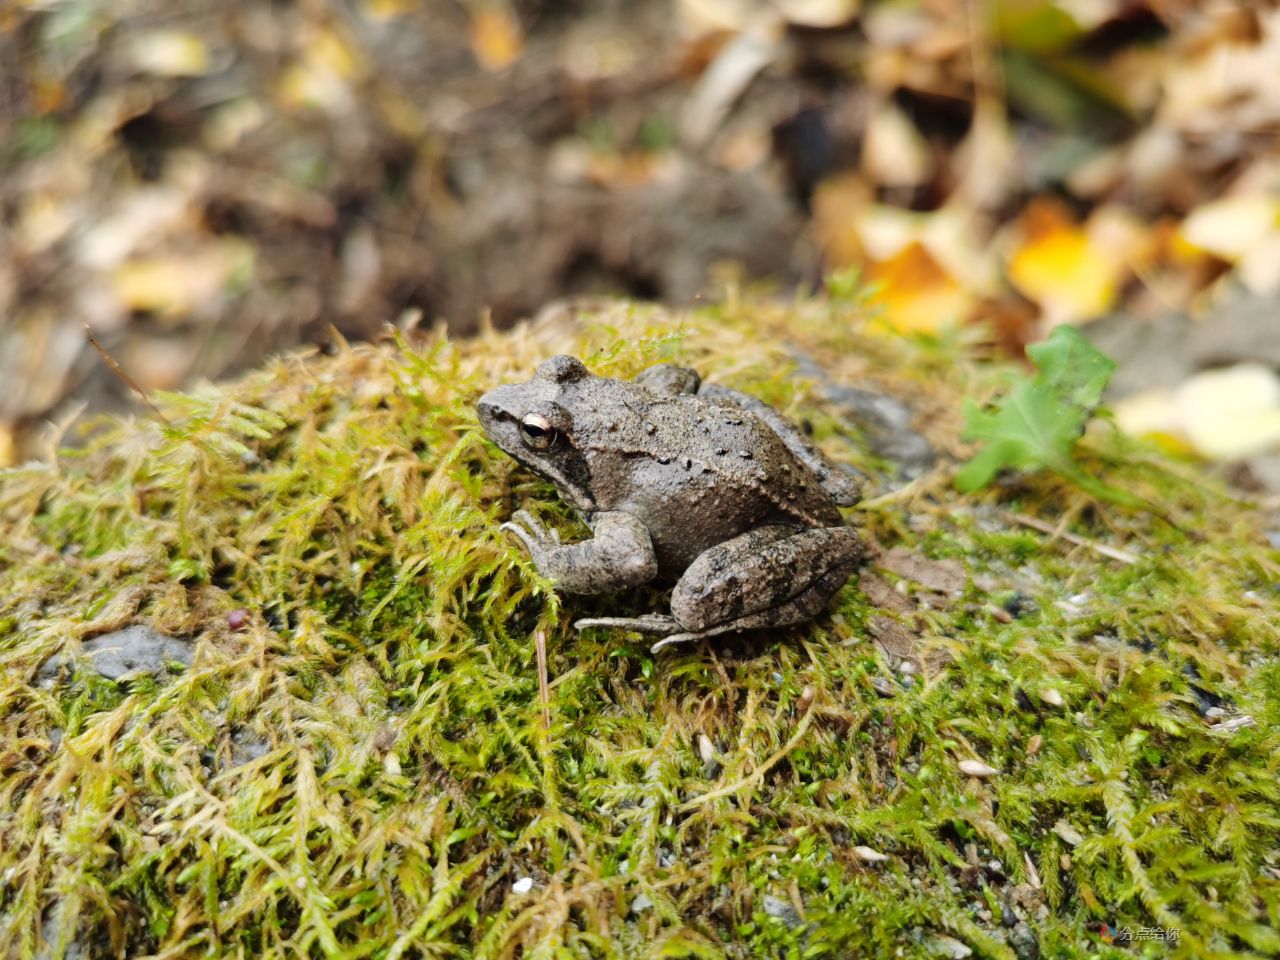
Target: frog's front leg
620	554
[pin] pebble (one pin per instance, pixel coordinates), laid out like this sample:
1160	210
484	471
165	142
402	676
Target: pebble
976	768
523	885
122	654
783	910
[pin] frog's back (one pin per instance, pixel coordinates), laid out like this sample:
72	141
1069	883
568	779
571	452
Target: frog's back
742	452
698	473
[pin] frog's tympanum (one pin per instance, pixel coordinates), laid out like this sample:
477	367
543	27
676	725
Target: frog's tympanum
681	482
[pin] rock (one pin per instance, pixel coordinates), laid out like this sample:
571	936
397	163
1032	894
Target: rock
868	855
246	746
124	654
1023	940
1068	833
886	421
783	910
976	768
50	930
950	947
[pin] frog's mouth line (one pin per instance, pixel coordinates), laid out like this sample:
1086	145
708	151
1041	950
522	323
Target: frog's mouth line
504	429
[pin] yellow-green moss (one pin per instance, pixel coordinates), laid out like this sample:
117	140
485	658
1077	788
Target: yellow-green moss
350	504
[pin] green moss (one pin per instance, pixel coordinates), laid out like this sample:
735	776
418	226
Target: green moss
400	782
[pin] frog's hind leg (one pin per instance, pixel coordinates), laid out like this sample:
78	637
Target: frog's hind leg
804	606
772	576
657	623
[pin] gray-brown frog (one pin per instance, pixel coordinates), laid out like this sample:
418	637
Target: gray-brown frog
682	482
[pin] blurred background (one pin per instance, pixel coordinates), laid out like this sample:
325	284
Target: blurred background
205	182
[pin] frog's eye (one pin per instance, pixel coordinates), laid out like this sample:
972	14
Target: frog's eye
537	432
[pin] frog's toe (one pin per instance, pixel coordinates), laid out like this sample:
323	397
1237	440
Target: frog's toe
531	523
691	635
658	623
530	532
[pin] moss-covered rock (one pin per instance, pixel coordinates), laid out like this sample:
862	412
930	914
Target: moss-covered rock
998	738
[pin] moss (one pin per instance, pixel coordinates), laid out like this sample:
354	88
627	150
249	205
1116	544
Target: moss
702	803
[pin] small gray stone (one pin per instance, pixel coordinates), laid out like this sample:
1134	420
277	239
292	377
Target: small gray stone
641	903
950	947
1023	940
783	910
126	653
246	746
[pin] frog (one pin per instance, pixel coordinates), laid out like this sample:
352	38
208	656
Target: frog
683	483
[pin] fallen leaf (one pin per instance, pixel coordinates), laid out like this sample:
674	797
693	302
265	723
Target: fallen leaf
177	284
170	53
1230	414
943	576
915	293
894	153
1232	227
881	593
1056	264
1051	696
976	768
895	639
496	38
1068	833
818	13
869	855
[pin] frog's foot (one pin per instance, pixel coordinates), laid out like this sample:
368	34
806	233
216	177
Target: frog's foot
529	531
689	636
658	623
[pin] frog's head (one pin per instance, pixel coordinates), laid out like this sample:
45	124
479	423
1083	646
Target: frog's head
532	422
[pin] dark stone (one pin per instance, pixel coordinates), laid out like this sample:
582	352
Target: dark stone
135	650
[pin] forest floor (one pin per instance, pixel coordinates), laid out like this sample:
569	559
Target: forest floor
1036	720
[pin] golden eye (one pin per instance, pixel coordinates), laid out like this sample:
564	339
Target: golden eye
537	432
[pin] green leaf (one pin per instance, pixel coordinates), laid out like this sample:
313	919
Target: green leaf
1037	425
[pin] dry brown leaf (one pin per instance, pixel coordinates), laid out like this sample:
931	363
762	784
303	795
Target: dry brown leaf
943	576
881	593
895	639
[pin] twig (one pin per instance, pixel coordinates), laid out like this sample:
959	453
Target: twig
758	773
1124	556
118	370
544	690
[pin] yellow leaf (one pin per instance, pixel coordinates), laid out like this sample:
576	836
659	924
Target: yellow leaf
836	203
496	39
323	76
170	53
1057	265
1233	413
819	13
383	10
915	293
895	154
174	285
1230	228
8	445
